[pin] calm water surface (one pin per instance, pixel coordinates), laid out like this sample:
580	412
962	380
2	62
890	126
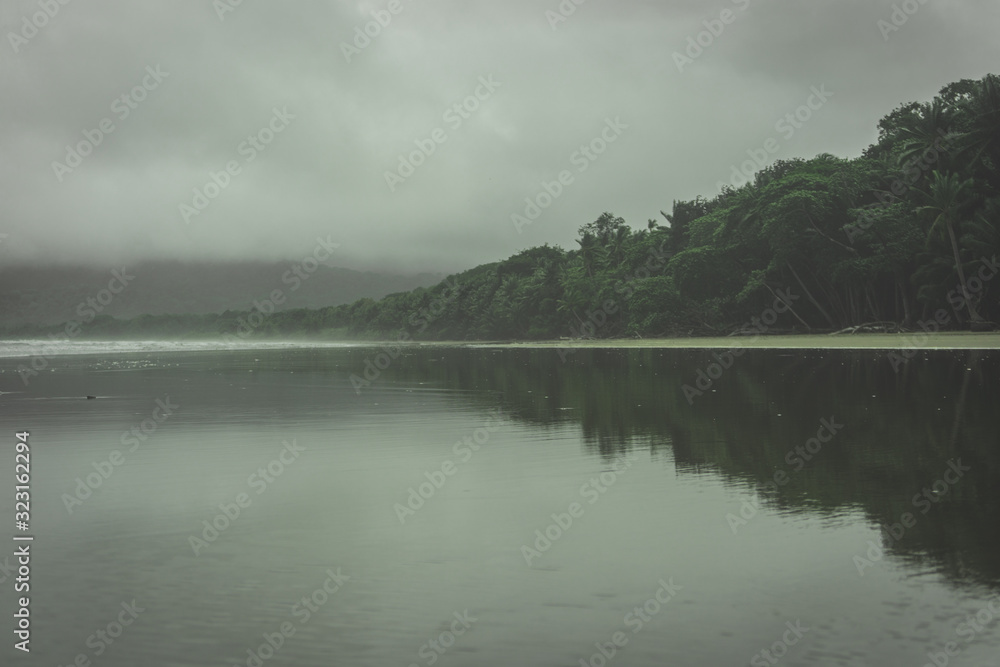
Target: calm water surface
508	507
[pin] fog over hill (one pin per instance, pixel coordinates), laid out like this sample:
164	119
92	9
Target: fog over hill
51	295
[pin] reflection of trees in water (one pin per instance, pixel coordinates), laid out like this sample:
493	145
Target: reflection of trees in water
900	429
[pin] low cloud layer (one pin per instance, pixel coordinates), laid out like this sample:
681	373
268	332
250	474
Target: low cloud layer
216	131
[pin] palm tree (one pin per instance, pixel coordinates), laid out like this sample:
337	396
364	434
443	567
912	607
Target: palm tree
983	105
588	252
932	122
948	196
618	243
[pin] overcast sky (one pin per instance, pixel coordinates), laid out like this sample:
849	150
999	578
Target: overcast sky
200	79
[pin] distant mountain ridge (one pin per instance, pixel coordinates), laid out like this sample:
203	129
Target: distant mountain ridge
52	295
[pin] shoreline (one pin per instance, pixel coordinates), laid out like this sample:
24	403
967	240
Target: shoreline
952	340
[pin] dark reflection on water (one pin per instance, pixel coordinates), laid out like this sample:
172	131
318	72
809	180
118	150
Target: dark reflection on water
756	494
900	429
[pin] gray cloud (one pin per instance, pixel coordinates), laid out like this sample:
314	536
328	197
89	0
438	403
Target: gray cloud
324	173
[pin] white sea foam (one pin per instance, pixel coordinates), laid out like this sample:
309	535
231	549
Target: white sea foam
53	348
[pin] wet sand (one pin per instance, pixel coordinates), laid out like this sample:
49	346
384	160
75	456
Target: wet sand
961	340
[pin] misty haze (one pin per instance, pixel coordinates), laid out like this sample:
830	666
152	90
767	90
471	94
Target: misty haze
482	334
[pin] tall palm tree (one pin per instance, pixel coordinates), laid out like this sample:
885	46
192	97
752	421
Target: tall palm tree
588	252
983	105
618	243
948	196
932	122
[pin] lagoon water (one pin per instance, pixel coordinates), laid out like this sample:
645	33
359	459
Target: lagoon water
486	506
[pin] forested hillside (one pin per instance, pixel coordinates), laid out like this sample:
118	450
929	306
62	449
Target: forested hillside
906	233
